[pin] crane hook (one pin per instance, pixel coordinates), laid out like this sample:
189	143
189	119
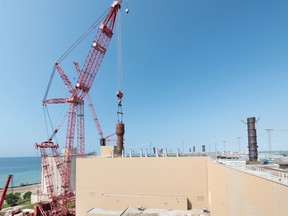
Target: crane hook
127	8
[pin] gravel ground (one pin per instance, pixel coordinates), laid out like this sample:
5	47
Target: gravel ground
24	189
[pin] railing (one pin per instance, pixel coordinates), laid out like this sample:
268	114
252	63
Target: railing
269	172
157	153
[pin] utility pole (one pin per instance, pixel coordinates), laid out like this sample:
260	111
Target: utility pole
224	145
269	139
239	143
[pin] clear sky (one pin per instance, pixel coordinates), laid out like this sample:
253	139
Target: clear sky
192	70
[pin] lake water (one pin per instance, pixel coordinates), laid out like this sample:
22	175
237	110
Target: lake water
24	170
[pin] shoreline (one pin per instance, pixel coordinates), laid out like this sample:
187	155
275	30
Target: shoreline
23	189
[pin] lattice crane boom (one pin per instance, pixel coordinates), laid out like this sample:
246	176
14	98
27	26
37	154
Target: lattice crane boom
65	78
98	49
86	76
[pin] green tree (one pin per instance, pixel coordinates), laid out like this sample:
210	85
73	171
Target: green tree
11	199
27	195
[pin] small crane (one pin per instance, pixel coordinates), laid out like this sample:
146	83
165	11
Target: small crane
5	190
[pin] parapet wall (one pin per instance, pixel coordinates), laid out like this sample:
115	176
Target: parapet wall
175	183
235	193
151	182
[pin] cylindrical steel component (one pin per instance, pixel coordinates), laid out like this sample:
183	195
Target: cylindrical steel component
130	153
102	142
120	130
252	139
203	148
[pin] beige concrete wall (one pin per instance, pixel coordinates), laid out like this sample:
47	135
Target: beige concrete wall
235	193
162	182
106	151
176	183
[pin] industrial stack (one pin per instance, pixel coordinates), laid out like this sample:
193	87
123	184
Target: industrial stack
252	141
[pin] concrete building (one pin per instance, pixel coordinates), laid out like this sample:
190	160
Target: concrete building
178	183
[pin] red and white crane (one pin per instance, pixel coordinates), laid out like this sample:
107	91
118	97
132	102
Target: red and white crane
75	114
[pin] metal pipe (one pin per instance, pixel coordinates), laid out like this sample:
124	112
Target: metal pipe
120	130
130	153
203	148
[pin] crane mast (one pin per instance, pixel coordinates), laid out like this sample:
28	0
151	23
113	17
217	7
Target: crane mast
75	113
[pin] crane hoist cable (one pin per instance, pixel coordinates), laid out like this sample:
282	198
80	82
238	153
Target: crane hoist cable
83	36
51	125
55	130
45	118
49	83
119	53
72	48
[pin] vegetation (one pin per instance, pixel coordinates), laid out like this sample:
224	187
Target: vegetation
15	199
27	195
70	205
28	206
12	199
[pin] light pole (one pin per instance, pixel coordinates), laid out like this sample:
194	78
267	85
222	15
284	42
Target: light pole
239	143
224	146
269	139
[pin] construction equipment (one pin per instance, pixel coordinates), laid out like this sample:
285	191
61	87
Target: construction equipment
80	91
5	190
103	139
120	127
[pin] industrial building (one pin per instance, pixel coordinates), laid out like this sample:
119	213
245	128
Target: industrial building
179	183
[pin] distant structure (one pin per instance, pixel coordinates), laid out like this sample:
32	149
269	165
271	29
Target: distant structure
252	140
203	148
269	139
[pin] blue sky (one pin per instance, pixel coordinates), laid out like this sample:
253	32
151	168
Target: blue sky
192	70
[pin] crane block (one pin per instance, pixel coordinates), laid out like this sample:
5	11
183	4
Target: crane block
82	87
106	30
98	47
